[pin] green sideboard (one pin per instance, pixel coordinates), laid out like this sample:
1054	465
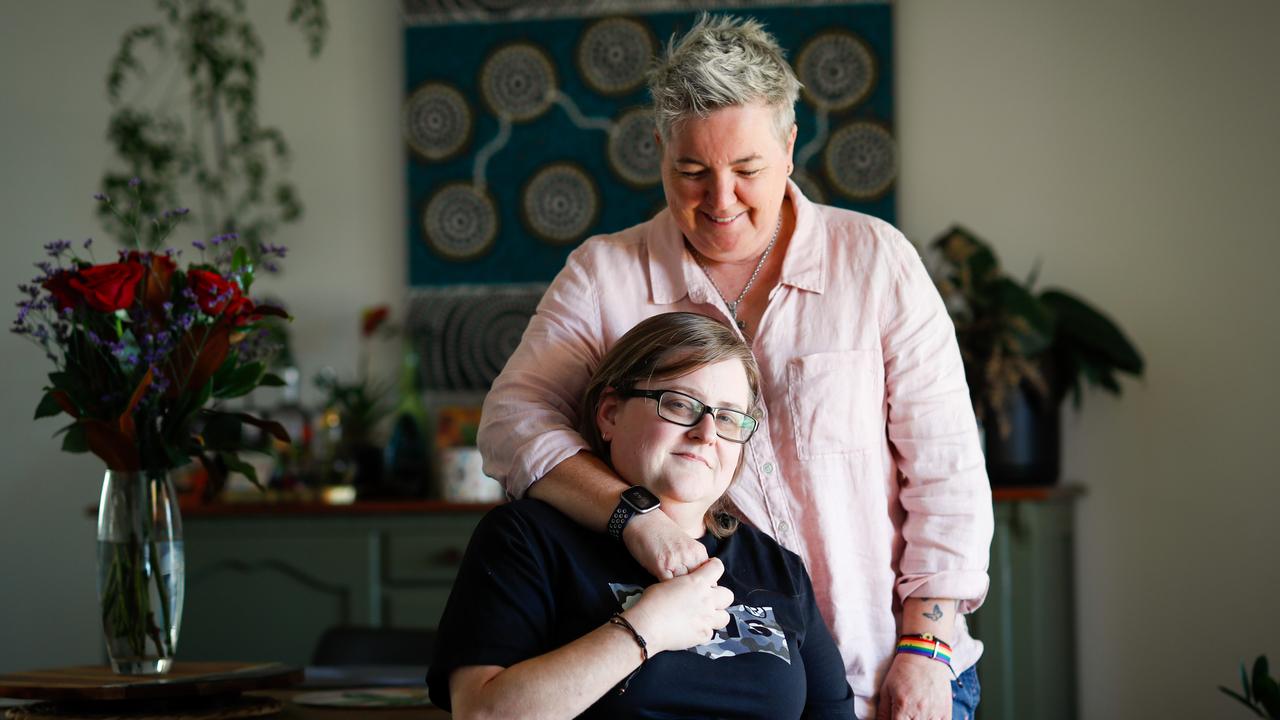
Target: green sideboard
263	583
1027	624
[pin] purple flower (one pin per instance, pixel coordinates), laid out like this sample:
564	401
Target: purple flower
101	198
271	267
87	243
134	182
57	247
181	211
168	308
276	250
198	245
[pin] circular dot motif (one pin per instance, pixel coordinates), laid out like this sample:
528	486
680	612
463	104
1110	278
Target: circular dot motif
481	336
837	69
809	186
437	121
518	82
613	55
861	160
634	154
460	222
560	203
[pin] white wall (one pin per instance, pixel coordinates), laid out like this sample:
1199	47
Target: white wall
1130	146
340	114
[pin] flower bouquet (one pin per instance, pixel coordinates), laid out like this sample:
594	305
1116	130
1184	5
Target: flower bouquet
143	350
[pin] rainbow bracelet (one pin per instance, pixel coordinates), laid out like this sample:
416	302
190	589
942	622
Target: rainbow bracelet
926	645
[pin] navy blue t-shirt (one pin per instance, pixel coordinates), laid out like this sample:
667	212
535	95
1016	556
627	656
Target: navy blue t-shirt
533	580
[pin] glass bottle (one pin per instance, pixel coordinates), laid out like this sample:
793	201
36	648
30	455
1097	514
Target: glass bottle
407	452
294	464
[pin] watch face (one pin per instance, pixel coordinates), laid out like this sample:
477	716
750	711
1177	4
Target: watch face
640	498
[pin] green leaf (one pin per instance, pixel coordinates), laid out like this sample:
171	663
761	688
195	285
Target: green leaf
1265	692
1244	681
177	456
76	440
242	266
1080	324
271	380
233	462
1243	701
1029	324
48	407
241	381
222	431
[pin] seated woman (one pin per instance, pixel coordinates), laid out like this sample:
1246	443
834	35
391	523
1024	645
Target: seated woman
548	619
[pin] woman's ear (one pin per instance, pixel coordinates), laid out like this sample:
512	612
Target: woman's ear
607	413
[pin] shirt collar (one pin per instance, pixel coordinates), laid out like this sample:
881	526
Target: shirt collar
674	274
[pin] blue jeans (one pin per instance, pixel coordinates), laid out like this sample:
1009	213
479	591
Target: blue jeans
965	691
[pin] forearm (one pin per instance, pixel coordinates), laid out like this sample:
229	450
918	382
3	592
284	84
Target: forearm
935	616
582	487
560	684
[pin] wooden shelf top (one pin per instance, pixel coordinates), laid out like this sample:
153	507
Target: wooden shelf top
1036	493
363	507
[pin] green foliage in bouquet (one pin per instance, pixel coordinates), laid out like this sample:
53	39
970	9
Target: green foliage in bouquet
143	350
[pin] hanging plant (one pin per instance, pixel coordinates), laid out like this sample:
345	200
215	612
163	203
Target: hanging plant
184	93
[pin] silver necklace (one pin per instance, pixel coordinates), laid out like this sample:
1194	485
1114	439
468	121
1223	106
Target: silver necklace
733	306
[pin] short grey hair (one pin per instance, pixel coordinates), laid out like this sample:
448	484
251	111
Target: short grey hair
723	61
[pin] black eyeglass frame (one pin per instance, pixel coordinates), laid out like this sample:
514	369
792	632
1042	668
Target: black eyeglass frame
656	396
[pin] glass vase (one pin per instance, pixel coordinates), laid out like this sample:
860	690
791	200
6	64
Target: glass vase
140	571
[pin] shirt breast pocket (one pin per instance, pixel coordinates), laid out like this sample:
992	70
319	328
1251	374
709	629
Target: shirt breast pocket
836	401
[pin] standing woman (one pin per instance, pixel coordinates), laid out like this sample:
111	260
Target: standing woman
867	462
547	619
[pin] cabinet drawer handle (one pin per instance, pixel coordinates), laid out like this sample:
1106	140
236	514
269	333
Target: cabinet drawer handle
448	556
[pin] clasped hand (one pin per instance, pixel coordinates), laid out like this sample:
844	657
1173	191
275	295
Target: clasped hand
682	612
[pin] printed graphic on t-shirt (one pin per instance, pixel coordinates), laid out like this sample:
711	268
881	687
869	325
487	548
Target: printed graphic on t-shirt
750	629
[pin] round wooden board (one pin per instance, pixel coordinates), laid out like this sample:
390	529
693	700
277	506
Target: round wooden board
184	680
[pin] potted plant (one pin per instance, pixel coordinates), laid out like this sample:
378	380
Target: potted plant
1023	352
184	93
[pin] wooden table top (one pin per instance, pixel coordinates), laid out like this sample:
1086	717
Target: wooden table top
184	680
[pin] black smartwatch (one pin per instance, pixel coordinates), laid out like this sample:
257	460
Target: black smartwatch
635	500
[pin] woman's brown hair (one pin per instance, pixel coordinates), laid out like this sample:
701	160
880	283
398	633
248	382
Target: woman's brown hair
664	347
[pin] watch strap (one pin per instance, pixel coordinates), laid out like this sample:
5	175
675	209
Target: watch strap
619	519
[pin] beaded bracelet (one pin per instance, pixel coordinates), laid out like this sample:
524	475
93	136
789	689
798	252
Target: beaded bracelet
622	622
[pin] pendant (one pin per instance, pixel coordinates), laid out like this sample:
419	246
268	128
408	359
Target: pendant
742	325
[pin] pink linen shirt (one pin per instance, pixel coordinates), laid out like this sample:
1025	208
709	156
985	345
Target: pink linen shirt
867	463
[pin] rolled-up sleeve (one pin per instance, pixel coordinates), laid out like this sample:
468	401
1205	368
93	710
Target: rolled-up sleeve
530	417
944	490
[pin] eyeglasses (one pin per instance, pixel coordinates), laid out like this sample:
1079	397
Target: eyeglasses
681	409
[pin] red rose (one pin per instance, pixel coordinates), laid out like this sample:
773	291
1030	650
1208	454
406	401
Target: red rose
213	292
240	311
107	288
59	286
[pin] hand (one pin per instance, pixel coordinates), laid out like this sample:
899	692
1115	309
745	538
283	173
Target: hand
661	547
916	688
682	612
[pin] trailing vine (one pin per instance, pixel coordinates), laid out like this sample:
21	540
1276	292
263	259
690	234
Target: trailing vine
200	62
